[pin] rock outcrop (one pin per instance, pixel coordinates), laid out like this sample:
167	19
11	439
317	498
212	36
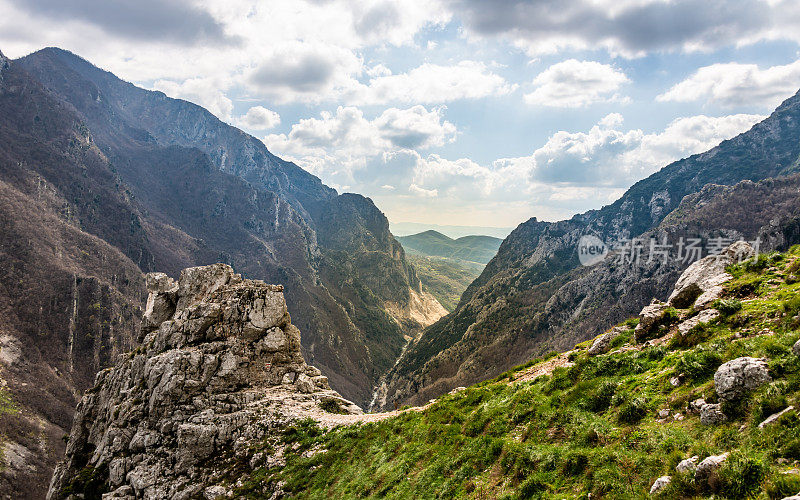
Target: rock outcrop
220	368
701	283
738	377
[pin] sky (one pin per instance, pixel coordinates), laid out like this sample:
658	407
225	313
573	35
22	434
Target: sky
450	112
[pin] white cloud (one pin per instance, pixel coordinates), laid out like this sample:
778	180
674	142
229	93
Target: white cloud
427	193
203	91
574	83
342	143
259	118
432	83
609	156
735	84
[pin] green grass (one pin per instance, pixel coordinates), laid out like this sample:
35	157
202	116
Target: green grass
590	428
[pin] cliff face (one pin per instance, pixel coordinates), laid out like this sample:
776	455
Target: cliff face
219	368
507	314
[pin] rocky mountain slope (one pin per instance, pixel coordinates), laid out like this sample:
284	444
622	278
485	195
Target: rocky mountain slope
507	314
202	191
219	369
706	408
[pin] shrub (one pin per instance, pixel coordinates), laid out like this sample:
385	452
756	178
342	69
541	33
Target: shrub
741	476
600	400
633	411
784	485
728	306
757	263
699	363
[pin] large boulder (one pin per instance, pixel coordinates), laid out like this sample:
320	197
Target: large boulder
796	348
739	377
701	283
220	369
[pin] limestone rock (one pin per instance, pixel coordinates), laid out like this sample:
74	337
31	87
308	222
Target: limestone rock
796	348
649	318
704	277
688	466
706	473
660	484
711	414
602	344
774	417
701	318
740	376
219	369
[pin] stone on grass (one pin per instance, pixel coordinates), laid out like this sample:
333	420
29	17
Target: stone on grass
705	277
739	377
688	466
660	484
774	417
707	470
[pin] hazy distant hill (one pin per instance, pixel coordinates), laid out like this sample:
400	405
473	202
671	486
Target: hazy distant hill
447	266
432	243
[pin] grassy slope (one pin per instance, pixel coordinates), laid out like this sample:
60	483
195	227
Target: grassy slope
588	428
446	279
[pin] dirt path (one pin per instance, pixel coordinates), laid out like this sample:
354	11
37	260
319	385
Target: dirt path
331	420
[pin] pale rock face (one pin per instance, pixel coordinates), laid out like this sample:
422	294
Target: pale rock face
602	344
660	484
700	284
688	466
219	369
740	376
649	318
711	414
796	348
774	417
703	317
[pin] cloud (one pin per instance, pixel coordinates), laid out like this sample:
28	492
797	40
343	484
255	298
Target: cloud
734	84
259	118
609	156
339	144
427	193
176	21
573	83
432	83
630	27
203	91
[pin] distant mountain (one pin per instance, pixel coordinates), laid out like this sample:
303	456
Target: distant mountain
432	243
453	231
534	296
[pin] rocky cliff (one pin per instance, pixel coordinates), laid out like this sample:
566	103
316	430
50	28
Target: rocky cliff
507	315
219	369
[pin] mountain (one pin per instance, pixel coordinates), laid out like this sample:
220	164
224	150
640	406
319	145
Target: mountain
225	197
446	266
101	181
514	310
432	243
409	228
